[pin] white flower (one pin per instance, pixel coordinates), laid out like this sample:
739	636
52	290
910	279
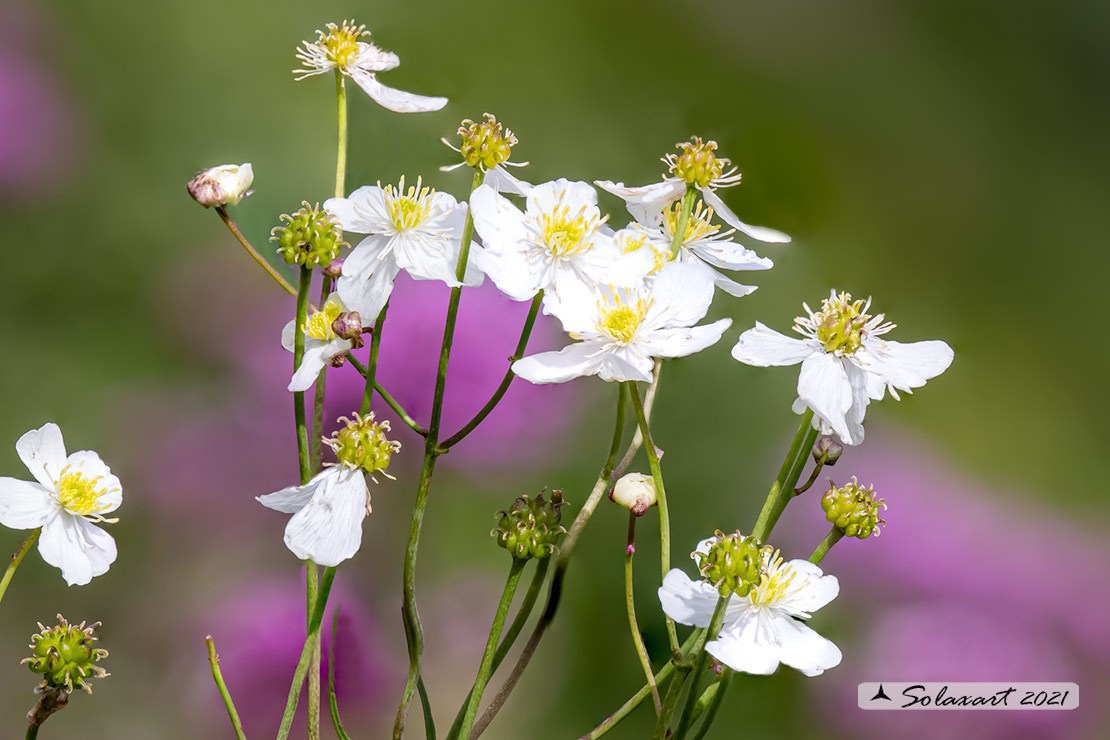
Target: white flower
557	242
620	331
340	49
72	493
761	629
845	362
224	185
418	230
321	344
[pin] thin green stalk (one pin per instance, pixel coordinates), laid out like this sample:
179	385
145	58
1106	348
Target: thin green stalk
683	219
834	536
298	355
218	677
333	703
414	636
820	464
498	394
630	608
372	362
312	588
485	668
410	422
306	653
787	493
674	691
718	699
17	558
254	253
637	437
715	623
32	732
341	153
316	443
660	499
759	531
426	707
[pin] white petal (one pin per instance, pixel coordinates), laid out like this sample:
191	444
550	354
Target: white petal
23	504
576	307
746	645
762	233
292	499
903	366
393	99
824	386
503	181
613	367
328	530
680	294
687	601
109	490
680	342
733	288
804	649
353	212
43	452
574	361
646	203
765	347
289	335
575	195
604	263
313	361
79	549
811	589
731	256
367	280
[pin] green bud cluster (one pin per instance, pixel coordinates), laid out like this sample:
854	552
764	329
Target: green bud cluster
530	527
734	563
65	657
853	509
310	237
698	165
486	145
361	443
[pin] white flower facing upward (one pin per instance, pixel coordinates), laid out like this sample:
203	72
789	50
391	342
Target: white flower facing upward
418	230
326	526
556	244
71	495
321	344
340	49
763	629
845	362
619	332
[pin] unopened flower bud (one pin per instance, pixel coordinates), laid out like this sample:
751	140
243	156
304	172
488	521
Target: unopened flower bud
348	325
733	563
635	492
530	527
698	165
486	145
827	450
361	443
223	185
65	657
853	509
310	237
335	268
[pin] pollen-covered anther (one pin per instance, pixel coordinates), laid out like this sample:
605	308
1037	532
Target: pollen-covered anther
842	324
699	165
361	443
309	237
854	509
733	563
620	320
530	528
699	226
411	207
65	657
487	144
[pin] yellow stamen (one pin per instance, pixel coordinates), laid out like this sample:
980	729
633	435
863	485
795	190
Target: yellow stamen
318	325
697	227
408	209
79	495
620	322
774	583
341	42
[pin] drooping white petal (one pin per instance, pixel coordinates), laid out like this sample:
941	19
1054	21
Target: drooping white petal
395	100
811	589
574	361
687	601
367	279
373	59
328	530
729	255
292	499
804	649
824	386
43	452
78	548
109	490
765	347
762	233
747	645
625	367
316	355
646	203
503	181
730	286
683	341
23	504
903	366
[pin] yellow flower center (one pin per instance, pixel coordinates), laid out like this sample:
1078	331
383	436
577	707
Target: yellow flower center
698	226
619	322
79	495
408	208
318	325
698	164
564	234
631	244
774	583
840	323
341	42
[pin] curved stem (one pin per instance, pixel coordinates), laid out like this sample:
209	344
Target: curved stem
254	253
759	531
812	477
410	422
486	666
371	368
715	623
683	219
660	497
715	706
630	607
306	653
834	536
17	558
218	677
498	394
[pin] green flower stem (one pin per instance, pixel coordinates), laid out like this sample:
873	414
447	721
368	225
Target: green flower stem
715	623
834	536
306	653
32	732
616	717
316	443
410	422
486	666
562	562
638	437
630	607
17	558
683	219
761	528
298	355
426	706
217	675
371	368
254	253
715	706
414	636
312	587
333	703
673	692
787	494
521	345
660	498
820	463
341	151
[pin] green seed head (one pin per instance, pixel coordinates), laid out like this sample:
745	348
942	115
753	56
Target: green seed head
361	443
854	509
486	145
65	657
698	164
734	563
530	527
309	237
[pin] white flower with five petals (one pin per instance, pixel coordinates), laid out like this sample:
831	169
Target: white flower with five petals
321	344
72	494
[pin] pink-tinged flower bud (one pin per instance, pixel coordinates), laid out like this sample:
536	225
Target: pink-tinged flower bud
221	186
335	268
348	325
635	492
827	450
